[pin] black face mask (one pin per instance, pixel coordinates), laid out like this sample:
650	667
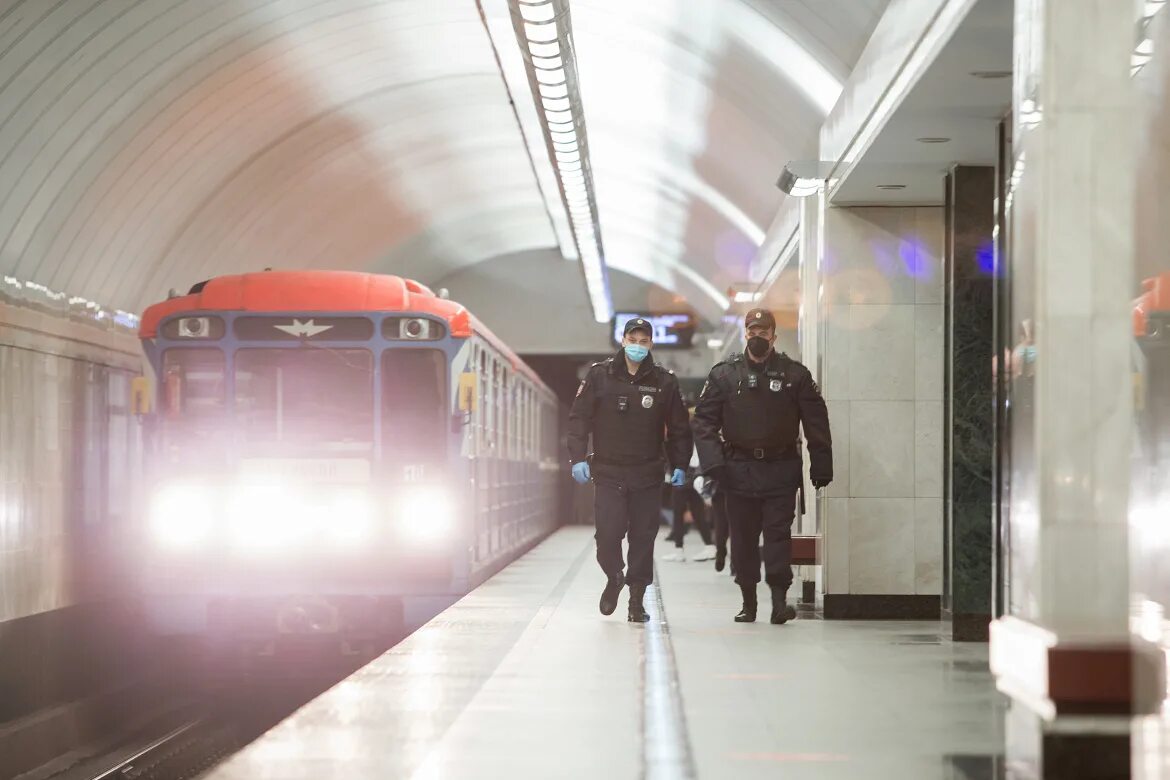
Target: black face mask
758	346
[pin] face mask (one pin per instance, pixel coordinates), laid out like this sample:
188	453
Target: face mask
636	352
758	346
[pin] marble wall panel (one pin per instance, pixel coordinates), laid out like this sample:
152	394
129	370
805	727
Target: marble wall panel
842	439
881	546
928	546
929	352
882	352
881	463
836	550
928	449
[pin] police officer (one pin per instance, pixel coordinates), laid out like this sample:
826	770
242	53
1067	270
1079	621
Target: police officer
628	403
746	429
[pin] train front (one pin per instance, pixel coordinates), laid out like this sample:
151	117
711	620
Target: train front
300	482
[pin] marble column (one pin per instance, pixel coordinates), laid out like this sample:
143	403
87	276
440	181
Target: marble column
1066	648
968	409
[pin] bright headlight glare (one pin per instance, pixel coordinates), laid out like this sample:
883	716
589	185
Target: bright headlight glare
266	516
426	514
351	518
181	515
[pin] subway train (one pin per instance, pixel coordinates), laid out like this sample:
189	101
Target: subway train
323	445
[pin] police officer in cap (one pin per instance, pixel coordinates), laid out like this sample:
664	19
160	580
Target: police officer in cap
746	430
630	405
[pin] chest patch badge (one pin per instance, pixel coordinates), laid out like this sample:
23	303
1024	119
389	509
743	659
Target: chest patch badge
774	385
647	401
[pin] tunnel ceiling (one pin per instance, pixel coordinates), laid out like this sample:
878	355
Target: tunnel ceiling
148	144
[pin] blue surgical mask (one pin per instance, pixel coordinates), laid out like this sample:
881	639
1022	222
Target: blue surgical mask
637	352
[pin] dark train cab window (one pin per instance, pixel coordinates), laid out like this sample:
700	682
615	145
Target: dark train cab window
414	409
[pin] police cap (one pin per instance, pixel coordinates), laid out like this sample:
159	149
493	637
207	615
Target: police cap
761	317
638	323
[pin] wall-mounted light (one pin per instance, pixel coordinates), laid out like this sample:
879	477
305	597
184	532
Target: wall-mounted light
933	139
18	292
891	186
991	74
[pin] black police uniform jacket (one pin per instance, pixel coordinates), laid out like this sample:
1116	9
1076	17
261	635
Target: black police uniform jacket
630	418
749	436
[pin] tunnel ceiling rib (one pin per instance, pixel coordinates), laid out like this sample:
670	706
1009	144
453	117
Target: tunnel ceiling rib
146	145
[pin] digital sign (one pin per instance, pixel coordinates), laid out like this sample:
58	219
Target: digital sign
672	331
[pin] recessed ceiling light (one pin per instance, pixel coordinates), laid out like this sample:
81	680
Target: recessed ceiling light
891	186
933	139
991	74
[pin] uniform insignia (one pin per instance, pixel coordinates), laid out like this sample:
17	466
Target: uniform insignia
816	388
647	401
759	315
774	385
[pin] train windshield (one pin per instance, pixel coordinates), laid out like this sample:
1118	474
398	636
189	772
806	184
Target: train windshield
305	401
414	409
193	400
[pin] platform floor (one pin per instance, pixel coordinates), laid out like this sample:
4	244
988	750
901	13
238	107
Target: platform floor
523	678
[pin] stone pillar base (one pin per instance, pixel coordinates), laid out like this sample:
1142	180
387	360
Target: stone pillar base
1055	677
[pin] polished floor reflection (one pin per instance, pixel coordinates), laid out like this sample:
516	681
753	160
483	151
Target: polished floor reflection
524	679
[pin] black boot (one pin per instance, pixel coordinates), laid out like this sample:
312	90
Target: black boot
720	559
637	610
782	612
609	596
748	613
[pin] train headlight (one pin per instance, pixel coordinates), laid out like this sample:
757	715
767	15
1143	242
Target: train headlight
181	515
351	518
265	517
425	514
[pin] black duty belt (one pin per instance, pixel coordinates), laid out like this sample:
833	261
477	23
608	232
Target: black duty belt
787	452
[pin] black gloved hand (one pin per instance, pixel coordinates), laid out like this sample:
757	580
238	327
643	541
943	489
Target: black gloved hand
821	483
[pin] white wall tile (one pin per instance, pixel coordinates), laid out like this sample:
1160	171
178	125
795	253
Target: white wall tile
881	457
928	534
881	545
930	232
928	449
840	428
929	345
881	352
835	355
836	545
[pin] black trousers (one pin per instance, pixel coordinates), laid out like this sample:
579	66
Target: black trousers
719	520
683	497
622	509
773	517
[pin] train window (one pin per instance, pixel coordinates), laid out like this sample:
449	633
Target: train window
192	383
192	399
414	407
317	399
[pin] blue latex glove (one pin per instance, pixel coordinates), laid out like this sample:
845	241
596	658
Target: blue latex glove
581	472
679	478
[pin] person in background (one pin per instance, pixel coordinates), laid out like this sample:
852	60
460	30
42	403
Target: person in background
631	407
684	497
747	428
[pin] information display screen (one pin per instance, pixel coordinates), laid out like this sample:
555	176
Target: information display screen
671	331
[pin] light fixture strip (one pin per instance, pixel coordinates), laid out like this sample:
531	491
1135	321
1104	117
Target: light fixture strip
544	32
19	292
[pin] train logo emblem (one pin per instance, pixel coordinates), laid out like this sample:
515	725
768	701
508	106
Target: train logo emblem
774	385
647	401
304	330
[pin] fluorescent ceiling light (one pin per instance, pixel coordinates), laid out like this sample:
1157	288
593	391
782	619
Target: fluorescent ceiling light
544	32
